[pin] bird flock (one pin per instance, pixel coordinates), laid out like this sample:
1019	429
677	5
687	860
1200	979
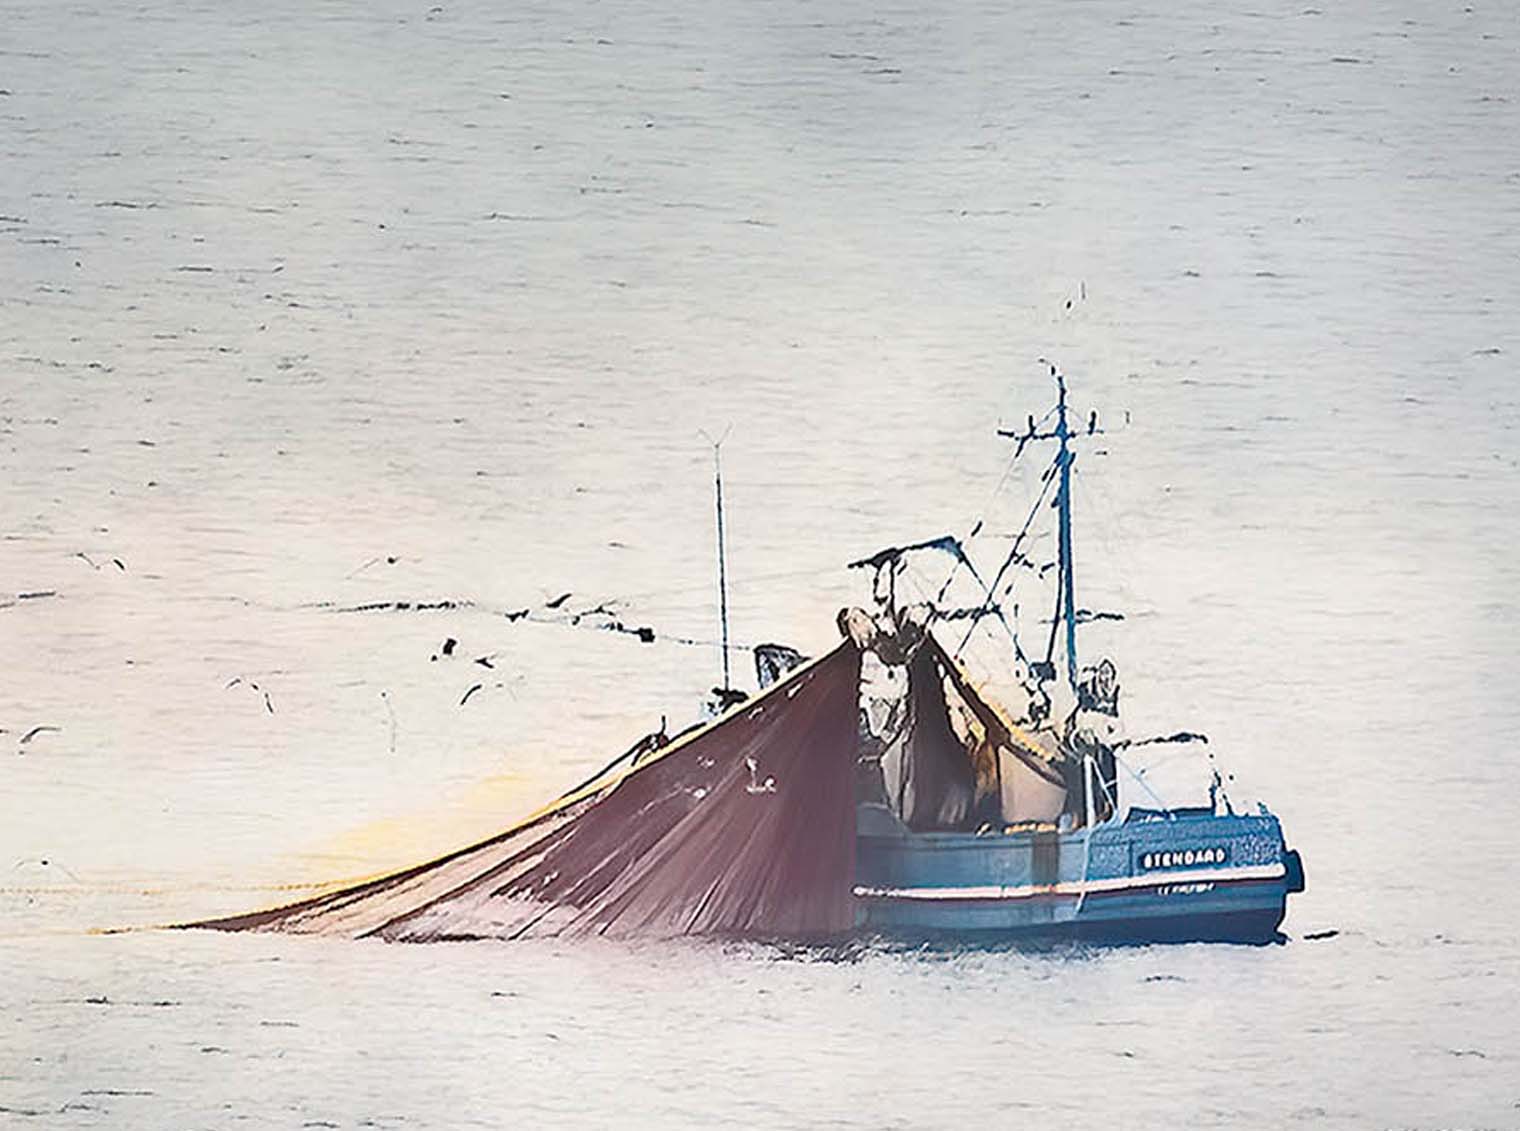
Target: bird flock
488	677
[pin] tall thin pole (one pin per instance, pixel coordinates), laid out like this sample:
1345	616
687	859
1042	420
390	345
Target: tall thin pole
722	558
1063	502
1069	600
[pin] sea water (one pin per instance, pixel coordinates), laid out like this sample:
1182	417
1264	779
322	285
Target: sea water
309	310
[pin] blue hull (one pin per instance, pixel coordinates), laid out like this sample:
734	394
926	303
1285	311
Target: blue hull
1181	876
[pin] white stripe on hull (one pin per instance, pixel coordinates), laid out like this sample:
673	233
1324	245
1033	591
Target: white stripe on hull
997	892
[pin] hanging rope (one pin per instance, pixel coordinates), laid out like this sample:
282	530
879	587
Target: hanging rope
1013	555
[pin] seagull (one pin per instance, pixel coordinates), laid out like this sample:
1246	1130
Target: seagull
93	564
498	685
35	731
754	785
268	704
389	559
46	863
557	602
605	609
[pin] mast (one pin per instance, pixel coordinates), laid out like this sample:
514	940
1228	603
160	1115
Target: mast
722	559
1066	598
1064	459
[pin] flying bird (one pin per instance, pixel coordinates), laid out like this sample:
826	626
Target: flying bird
389	559
605	609
46	863
498	685
268	703
93	564
35	731
557	602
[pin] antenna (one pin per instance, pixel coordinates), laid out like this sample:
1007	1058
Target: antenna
1066	601
717	447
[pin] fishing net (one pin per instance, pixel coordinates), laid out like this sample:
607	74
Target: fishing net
743	828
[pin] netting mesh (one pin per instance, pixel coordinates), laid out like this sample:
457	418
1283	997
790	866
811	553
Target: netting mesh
745	828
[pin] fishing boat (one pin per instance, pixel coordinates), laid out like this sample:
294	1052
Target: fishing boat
876	790
995	826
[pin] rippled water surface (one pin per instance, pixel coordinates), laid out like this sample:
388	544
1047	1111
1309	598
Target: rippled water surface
309	307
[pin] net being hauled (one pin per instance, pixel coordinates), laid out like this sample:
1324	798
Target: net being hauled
745	828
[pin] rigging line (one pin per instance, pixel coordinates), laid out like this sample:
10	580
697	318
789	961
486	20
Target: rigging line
992	604
694	642
1106	521
904	762
749	579
1151	767
1140	778
991	498
604	626
1009	626
1013	553
1086	866
1039	505
631	754
1055	619
1087	775
1008	470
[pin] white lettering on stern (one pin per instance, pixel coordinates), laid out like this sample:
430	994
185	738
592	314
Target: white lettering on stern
1184	857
